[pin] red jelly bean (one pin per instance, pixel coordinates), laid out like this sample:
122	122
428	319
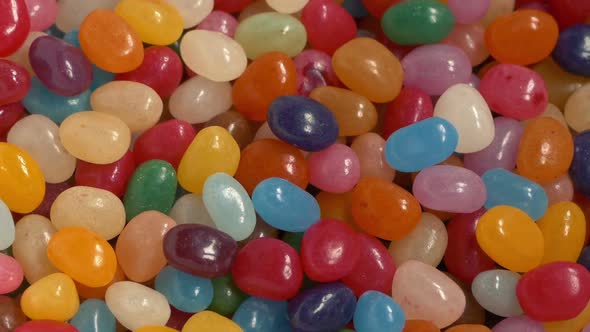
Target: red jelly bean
15	25
268	268
554	291
329	250
569	12
410	106
328	25
166	141
161	70
374	268
231	6
463	257
45	326
14	80
112	177
378	7
9	115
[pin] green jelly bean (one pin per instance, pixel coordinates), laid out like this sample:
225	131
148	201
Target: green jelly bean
227	297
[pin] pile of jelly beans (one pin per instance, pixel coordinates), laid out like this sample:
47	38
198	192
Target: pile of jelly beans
294	165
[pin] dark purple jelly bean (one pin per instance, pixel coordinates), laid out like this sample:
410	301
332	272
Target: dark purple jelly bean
580	167
572	51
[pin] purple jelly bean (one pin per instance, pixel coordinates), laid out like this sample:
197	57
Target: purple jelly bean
221	22
520	324
314	70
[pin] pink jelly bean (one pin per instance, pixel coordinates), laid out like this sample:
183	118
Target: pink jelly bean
11	274
219	21
471	39
559	190
503	150
520	324
434	68
587	328
410	106
514	91
42	13
467	12
449	188
336	169
314	70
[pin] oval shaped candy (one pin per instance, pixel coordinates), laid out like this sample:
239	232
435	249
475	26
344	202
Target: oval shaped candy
45	326
152	187
574	109
15	81
32	234
335	169
256	314
11	274
369	148
40	100
495	291
15	24
112	177
328	25
572	48
410	106
166	141
199	100
376	311
185	292
22	184
156	22
94	315
564	230
53	297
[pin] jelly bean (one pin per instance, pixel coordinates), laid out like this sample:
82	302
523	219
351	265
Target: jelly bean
314	70
213	150
430	22
11	274
209	321
569	291
112	177
579	170
514	91
135	305
287	7
236	124
369	69
435	68
260	315
156	22
7	235
426	293
95	137
94	316
11	316
574	109
511	238
192	11
258	269
152	187
507	188
328	25
213	55
560	84
53	297
411	105
550	112
9	115
227	296
32	234
220	21
166	141
184	291
325	307
270	76
199	250
335	169
569	12
546	150
15	82
467	13
86	292
190	209
571	48
369	148
473	313
469	328
495	290
377	312
40	100
95	209
518	323
416	325
432	141
502	152
559	190
573	324
198	100
426	243
22	185
71	15
45	326
470	39
15	24
564	231
21	56
231	6
42	13
97	39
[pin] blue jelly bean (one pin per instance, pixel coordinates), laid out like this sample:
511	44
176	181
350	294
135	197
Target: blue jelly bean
377	312
326	307
40	100
261	315
184	291
506	188
421	145
584	258
94	316
355	8
572	51
72	37
580	167
302	122
285	206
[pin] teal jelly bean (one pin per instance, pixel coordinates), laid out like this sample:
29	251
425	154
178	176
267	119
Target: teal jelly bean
40	100
377	312
261	315
184	291
94	316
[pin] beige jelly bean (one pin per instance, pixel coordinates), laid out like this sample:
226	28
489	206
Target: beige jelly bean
71	13
190	209
551	111
199	100
32	234
95	137
192	11
426	243
138	105
577	109
287	6
369	149
213	55
38	135
135	305
95	209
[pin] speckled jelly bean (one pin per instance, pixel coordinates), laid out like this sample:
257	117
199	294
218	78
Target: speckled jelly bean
495	290
15	24
94	316
39	100
152	187
571	47
21	180
53	297
261	315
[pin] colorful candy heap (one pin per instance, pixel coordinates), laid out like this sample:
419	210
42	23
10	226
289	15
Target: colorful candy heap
294	165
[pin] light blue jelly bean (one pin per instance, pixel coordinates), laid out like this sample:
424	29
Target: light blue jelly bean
72	37
40	100
285	206
507	188
184	291
94	316
261	315
377	312
421	145
229	206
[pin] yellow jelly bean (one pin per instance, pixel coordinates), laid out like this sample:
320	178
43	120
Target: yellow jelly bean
53	297
511	238
22	185
155	329
207	321
155	21
571	325
213	150
564	229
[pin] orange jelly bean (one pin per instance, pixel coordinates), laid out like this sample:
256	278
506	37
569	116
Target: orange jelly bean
469	328
99	292
546	150
22	185
384	209
83	255
270	76
416	325
523	37
109	42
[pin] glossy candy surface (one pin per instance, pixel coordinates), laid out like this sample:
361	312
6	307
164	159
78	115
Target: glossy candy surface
495	290
156	22
53	297
14	25
15	81
378	312
21	179
94	315
571	49
256	314
184	291
335	169
151	187
328	25
564	230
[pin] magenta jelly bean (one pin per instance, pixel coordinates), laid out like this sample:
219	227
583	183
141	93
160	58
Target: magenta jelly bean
467	12
314	70
42	13
336	169
15	82
410	106
11	274
328	25
219	21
